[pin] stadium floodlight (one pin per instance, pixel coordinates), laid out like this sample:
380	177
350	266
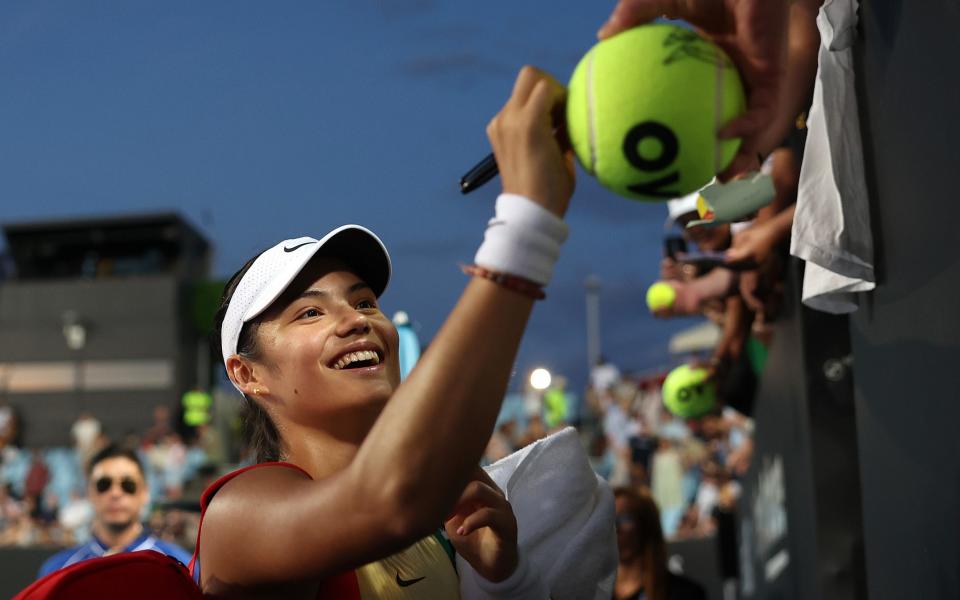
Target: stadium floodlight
540	378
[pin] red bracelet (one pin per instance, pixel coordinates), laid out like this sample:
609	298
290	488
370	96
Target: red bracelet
511	282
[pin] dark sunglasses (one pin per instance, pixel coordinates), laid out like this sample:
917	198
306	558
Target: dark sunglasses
128	485
625	521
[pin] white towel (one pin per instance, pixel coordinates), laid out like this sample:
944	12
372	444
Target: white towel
565	519
831	228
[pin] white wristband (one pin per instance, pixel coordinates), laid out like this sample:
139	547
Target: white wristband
523	584
522	239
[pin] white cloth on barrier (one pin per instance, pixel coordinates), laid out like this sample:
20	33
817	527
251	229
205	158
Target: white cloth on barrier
831	228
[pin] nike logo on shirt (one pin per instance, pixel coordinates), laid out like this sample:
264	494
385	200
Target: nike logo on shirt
407	582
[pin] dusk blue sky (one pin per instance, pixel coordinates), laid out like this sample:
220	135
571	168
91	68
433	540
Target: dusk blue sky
262	121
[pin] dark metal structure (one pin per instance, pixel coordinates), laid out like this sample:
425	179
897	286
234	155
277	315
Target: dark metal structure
906	336
800	532
95	315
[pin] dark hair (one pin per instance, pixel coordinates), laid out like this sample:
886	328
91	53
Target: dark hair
649	539
114	451
259	432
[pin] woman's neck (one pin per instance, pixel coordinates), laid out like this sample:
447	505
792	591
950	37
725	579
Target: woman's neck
630	577
324	452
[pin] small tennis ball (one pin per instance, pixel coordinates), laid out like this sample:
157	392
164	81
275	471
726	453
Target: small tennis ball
644	108
688	392
660	296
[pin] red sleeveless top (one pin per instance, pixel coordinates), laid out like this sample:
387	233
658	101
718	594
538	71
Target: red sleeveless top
423	571
343	586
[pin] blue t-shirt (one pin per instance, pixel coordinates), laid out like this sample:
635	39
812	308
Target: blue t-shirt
95	548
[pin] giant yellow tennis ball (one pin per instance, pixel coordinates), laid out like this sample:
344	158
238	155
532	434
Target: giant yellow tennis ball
644	108
688	392
660	296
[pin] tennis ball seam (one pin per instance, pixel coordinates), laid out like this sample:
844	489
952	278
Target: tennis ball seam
717	113
591	114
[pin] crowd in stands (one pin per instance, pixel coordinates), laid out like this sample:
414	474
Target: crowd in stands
43	492
690	468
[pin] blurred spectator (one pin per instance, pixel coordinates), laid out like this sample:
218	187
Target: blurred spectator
118	491
556	403
642	572
666	481
604	375
8	425
162	425
75	517
85	431
45	518
211	443
709	491
38	476
168	458
196	408
14	521
501	443
535	431
620	426
601	459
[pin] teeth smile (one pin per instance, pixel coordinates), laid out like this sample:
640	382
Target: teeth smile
355	357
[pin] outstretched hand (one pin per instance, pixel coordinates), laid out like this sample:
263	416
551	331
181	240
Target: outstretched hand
530	159
752	32
483	529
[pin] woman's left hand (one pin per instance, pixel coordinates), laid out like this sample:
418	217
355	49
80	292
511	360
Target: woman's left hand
483	529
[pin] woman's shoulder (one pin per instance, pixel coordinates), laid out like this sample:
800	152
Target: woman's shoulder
253	480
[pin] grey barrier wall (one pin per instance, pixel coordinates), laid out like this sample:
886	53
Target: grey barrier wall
699	560
906	335
800	532
19	568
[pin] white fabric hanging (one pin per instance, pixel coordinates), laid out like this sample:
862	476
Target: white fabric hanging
831	228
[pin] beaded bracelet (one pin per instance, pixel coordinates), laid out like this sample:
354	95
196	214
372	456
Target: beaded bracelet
511	282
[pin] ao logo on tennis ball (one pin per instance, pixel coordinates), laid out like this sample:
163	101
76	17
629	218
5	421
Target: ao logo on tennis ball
688	392
644	108
669	148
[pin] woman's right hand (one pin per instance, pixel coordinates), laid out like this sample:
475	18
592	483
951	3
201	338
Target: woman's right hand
531	161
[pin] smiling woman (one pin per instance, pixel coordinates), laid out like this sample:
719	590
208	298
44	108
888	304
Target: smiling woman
363	484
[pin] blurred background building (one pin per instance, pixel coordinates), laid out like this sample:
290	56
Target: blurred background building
99	316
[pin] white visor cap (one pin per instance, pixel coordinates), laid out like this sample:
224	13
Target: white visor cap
275	269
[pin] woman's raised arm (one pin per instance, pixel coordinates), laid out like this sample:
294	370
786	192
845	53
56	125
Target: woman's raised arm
275	524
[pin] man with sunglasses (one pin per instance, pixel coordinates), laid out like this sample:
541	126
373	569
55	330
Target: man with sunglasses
118	492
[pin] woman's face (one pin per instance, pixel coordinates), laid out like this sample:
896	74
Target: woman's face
326	348
627	532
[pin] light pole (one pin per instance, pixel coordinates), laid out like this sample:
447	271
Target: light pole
75	334
592	286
